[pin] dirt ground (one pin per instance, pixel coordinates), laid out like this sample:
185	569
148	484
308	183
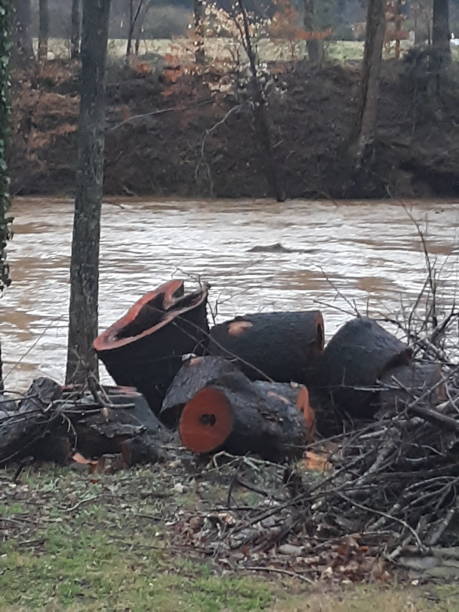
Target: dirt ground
174	133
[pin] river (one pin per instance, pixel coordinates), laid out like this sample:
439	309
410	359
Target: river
366	254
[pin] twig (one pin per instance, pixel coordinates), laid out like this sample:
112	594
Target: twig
278	570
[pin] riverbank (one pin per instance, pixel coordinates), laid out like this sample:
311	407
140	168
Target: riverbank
170	132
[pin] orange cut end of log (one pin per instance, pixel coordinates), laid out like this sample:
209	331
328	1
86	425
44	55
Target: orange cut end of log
303	404
206	421
237	328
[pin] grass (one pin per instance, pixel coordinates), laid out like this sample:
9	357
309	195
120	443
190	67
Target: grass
78	543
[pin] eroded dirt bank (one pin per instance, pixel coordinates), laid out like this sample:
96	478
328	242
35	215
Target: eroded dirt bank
175	134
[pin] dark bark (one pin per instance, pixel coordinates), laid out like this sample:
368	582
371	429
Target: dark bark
402	385
241	417
314	46
440	30
363	143
198	13
43	31
134	15
2	386
75	29
22	52
144	348
354	360
84	270
262	126
195	374
281	346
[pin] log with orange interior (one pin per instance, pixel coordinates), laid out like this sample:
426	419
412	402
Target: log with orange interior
144	348
234	414
280	346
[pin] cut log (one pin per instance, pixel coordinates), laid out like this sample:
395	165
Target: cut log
238	416
195	374
404	384
276	346
357	356
144	348
20	429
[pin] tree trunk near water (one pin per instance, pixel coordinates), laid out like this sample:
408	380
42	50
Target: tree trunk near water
22	53
84	271
314	46
199	52
75	29
363	142
43	32
440	30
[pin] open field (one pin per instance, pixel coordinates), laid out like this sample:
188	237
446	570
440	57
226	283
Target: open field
69	541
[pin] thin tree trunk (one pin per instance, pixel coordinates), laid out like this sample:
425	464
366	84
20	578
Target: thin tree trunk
440	29
371	69
199	52
84	269
43	31
398	27
75	30
313	46
133	19
22	53
262	128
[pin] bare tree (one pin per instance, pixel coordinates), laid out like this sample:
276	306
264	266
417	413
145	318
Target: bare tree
84	269
198	12
363	141
75	30
440	29
43	31
313	45
135	12
22	53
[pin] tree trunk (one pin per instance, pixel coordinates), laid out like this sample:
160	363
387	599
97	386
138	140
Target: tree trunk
372	59
75	30
43	31
22	53
84	270
440	30
262	127
199	53
314	46
398	27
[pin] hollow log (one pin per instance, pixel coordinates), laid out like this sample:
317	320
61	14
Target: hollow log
238	416
357	356
276	346
402	385
195	374
144	348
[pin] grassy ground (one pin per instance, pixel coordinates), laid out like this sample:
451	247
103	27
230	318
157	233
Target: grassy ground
70	541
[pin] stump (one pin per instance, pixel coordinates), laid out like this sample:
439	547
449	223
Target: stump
144	348
276	346
195	374
238	416
358	355
402	385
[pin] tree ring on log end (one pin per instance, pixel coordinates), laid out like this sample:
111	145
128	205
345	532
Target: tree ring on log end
206	421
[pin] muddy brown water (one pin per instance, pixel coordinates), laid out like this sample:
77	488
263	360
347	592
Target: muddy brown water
344	253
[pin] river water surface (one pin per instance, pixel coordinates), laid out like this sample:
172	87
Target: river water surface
367	253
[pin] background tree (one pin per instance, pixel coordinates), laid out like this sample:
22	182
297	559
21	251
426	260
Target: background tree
5	220
440	29
313	46
84	269
371	69
43	31
22	52
75	30
198	14
135	13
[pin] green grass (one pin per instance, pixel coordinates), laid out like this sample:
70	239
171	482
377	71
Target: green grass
75	543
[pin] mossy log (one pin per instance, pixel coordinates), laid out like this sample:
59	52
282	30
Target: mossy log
239	416
276	346
144	348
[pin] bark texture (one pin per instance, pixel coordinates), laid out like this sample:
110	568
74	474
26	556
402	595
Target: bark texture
198	13
84	272
75	29
22	34
440	29
43	31
371	69
314	47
